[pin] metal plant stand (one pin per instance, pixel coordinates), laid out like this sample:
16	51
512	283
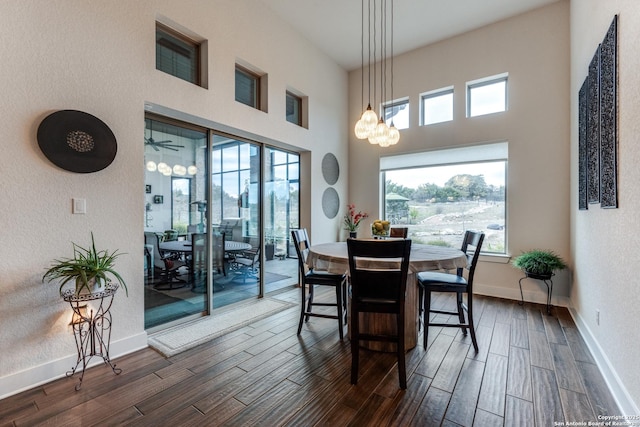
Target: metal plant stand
546	278
91	327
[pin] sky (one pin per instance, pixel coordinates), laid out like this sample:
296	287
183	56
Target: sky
493	172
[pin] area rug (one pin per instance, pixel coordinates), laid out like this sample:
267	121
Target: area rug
183	337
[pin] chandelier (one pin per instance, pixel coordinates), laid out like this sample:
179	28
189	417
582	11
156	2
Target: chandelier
369	126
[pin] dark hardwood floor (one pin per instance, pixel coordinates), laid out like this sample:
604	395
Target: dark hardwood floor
531	370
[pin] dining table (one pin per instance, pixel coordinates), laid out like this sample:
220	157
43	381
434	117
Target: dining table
186	245
333	258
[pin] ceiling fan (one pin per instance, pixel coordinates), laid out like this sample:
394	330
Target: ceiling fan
162	144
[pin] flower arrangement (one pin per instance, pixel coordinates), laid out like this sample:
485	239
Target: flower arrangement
352	219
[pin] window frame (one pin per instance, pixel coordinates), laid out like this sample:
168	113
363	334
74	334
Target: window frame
463	155
488	81
197	50
256	78
298	101
449	90
393	104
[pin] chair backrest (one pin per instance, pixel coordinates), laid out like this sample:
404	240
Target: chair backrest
170	235
199	251
369	282
151	238
471	246
301	243
218	250
399	232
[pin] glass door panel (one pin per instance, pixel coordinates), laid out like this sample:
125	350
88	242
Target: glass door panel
175	207
235	177
281	204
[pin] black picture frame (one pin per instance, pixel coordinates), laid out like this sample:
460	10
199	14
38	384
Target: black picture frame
147	189
157	199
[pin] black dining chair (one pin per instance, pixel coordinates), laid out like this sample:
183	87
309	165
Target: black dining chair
378	290
402	232
310	278
169	267
431	281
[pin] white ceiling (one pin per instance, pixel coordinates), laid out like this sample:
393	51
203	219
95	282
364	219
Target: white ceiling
335	25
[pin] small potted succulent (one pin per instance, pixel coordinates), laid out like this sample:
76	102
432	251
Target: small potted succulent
88	269
539	264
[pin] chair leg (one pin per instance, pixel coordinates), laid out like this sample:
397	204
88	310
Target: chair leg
344	300
302	305
470	317
355	348
461	312
420	303
309	300
425	316
402	367
339	307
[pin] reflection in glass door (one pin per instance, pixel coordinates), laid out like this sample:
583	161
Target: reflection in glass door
235	213
175	206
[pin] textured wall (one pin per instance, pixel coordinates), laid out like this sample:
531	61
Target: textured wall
99	57
603	243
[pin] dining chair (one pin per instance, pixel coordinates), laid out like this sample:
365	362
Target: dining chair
168	266
431	281
309	278
246	263
399	232
219	261
378	290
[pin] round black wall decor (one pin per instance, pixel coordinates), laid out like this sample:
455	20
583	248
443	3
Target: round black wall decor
330	168
77	141
330	202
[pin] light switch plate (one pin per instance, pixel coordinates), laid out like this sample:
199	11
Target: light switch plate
79	206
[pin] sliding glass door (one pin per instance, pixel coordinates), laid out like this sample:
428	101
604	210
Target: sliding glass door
218	217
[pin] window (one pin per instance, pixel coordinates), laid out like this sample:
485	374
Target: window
437	106
294	109
398	112
440	194
487	96
247	87
177	55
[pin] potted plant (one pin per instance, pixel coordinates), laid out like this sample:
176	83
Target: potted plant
539	264
88	268
352	220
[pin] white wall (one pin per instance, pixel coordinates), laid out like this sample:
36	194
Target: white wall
534	49
604	248
99	57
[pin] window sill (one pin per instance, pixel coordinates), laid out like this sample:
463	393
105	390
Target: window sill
495	258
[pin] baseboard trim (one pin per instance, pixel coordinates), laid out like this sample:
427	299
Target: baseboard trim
618	390
52	370
537	296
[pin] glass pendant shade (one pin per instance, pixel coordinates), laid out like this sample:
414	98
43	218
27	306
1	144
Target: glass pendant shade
361	130
380	134
192	170
369	120
151	166
394	135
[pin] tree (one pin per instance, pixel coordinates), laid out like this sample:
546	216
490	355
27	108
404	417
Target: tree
469	186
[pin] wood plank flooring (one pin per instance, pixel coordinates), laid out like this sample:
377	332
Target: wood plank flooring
531	370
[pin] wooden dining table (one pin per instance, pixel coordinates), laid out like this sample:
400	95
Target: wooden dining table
333	257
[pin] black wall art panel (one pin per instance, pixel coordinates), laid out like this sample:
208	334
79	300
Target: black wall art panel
593	129
597	126
608	119
582	147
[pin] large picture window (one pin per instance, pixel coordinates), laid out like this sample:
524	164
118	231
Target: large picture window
441	194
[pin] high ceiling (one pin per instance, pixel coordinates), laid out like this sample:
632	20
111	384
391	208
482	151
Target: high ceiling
335	25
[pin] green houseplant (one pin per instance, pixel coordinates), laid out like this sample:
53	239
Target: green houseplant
538	263
86	268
